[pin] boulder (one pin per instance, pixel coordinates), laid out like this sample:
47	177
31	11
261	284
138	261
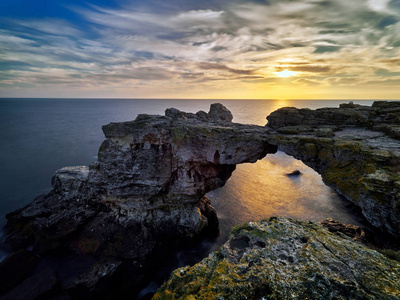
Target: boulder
100	280
294	173
218	112
287	259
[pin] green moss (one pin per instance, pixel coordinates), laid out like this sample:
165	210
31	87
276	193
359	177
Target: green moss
287	267
247	229
178	135
239	228
392	254
346	179
325	155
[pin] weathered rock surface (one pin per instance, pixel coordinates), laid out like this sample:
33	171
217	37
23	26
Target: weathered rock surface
287	259
356	149
355	232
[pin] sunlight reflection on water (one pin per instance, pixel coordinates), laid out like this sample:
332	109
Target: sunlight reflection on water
263	189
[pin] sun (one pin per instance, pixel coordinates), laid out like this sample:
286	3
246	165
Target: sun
285	73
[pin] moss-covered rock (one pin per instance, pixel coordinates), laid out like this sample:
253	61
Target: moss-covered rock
287	259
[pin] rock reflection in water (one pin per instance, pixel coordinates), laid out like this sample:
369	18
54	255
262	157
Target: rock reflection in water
263	189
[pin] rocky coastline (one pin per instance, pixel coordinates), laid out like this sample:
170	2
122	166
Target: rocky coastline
147	192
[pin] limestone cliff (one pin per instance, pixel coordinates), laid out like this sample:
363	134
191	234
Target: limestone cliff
287	259
356	149
146	188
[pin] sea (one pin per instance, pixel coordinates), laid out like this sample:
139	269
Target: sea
39	136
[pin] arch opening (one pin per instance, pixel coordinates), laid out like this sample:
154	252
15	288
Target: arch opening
263	189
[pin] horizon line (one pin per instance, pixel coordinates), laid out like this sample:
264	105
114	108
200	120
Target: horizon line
251	99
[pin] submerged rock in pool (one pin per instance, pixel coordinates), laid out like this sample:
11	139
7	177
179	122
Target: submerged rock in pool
287	259
294	173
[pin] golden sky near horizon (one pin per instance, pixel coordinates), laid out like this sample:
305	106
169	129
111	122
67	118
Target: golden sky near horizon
304	49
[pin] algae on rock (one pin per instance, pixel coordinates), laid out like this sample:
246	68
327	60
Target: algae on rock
287	259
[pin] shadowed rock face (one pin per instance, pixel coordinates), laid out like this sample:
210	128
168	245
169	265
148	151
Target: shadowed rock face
147	187
286	259
356	149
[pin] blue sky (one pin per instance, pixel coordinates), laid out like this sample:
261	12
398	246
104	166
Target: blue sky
201	49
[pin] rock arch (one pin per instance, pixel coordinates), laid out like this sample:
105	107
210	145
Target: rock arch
152	174
148	185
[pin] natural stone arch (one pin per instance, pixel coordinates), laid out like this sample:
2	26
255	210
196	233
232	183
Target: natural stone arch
148	185
147	188
152	174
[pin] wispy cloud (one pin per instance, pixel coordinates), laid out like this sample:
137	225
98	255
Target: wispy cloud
218	47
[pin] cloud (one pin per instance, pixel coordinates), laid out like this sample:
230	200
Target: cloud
324	49
309	82
378	5
311	69
57	27
391	61
179	44
221	67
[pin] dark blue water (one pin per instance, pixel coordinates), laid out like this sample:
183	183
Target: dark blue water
39	136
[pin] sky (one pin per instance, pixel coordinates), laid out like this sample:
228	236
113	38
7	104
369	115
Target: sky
259	49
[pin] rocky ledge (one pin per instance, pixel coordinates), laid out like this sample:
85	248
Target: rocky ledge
287	259
355	148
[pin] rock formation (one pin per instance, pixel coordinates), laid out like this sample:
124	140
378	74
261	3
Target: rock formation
356	149
287	259
148	185
146	190
355	232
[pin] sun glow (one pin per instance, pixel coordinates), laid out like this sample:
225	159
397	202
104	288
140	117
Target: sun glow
285	73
